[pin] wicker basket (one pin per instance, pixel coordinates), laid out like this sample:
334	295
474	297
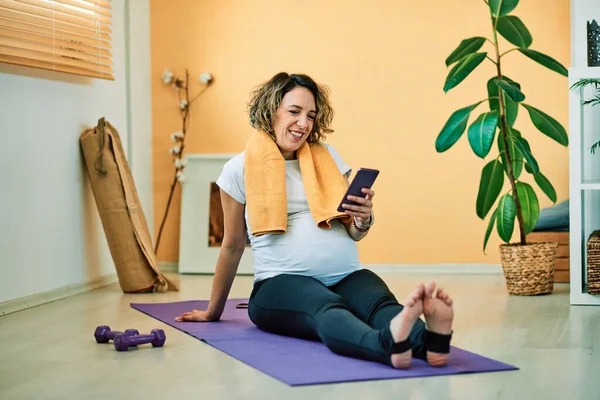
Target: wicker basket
529	269
593	263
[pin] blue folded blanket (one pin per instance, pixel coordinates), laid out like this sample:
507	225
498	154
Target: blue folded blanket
554	219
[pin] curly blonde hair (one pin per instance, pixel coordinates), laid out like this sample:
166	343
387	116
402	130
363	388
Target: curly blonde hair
266	98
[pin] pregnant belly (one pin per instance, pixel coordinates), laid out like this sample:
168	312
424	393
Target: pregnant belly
307	249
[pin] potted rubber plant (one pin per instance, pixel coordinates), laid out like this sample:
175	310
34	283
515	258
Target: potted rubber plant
528	267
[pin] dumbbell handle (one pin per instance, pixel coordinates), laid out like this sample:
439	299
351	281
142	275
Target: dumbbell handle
140	339
110	335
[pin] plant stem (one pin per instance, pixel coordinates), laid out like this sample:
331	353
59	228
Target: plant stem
503	132
508	51
185	116
162	224
198	94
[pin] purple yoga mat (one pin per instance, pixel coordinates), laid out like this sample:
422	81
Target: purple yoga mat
296	361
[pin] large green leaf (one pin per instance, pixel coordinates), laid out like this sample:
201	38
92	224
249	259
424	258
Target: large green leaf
514	132
523	147
466	47
493	94
530	207
546	186
512	91
462	69
505	222
547	125
488	231
515	31
503	7
516	159
454	128
490	185
512	108
481	133
546	61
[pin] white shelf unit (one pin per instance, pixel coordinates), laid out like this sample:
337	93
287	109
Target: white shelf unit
584	185
584	167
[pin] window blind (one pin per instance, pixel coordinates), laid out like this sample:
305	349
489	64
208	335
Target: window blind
71	36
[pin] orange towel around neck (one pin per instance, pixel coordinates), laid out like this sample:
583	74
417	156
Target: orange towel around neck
266	196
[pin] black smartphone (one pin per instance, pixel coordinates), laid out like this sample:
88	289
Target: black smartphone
241	305
364	178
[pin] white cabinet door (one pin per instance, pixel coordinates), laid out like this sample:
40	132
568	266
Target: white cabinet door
196	254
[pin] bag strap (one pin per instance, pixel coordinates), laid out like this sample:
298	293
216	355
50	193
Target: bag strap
99	160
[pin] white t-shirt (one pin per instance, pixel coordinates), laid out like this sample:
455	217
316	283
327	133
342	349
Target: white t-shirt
305	249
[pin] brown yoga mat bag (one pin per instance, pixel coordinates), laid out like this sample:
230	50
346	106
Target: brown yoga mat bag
120	211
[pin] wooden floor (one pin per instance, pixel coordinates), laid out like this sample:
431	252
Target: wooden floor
49	352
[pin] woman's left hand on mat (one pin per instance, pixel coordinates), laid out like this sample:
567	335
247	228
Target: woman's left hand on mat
195	316
363	210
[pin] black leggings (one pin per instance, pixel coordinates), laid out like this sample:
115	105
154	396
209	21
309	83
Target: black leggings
351	318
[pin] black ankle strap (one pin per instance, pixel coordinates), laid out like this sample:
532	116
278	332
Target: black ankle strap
437	342
401	347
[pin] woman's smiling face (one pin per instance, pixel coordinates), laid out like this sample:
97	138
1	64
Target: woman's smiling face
294	120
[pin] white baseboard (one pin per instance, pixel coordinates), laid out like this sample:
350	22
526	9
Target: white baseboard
169	267
429	269
172	267
49	296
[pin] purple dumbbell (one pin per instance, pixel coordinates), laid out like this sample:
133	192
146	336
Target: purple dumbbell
157	337
103	334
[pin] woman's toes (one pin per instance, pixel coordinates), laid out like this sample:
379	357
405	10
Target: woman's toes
429	289
445	297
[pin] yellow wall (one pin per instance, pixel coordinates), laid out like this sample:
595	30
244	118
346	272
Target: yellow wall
384	62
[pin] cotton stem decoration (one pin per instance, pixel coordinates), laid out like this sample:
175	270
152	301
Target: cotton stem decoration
184	104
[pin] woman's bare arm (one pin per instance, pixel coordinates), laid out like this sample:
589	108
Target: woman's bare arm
232	248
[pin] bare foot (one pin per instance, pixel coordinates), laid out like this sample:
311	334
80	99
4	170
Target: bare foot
402	324
437	308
